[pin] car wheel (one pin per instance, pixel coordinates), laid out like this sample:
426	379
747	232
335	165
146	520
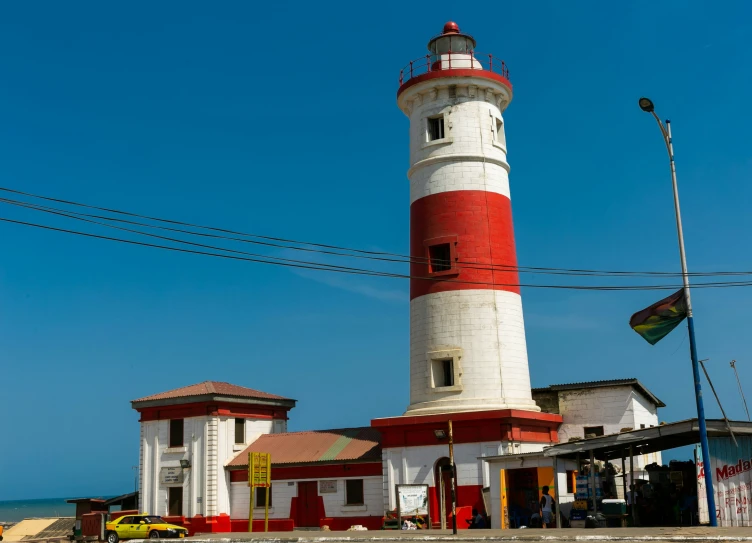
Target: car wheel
154	534
112	537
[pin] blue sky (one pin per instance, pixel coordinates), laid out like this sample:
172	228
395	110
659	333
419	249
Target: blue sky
279	118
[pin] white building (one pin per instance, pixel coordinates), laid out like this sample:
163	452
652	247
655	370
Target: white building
189	434
599	408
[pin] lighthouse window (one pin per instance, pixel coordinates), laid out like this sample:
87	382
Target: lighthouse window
440	257
447	367
443	372
498	127
436	128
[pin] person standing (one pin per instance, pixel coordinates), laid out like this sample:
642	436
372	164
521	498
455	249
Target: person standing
548	507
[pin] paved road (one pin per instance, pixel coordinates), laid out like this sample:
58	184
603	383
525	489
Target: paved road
696	534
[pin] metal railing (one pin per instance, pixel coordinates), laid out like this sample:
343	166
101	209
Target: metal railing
453	61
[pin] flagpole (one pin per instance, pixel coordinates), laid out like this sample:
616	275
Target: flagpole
647	105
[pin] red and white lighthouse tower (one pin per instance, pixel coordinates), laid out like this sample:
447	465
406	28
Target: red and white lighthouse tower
467	336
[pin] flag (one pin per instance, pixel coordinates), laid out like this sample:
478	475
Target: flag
656	322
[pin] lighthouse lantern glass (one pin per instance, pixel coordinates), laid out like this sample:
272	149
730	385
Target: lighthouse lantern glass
451	44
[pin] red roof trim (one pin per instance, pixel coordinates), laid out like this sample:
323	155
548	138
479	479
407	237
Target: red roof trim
465	72
467	415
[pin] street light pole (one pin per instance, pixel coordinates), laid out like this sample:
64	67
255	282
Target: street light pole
647	105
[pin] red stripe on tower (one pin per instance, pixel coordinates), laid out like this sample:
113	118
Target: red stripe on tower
477	228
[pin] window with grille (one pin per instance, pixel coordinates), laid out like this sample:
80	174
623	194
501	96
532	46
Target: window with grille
440	257
436	128
176	433
354	492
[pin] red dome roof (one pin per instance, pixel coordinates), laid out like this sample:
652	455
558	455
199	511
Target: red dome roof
451	28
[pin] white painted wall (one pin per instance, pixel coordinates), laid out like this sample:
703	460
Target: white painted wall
209	446
415	465
613	408
488	326
334	503
155	454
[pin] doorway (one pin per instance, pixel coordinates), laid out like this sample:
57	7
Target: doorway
308	505
443	482
175	501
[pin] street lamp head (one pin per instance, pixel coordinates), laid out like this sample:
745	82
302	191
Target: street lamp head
646	104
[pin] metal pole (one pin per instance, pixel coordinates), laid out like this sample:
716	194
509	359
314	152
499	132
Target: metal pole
738	382
623	475
690	327
454	484
632	486
717	399
592	479
556	493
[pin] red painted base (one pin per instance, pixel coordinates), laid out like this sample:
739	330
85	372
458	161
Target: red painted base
469	427
224	524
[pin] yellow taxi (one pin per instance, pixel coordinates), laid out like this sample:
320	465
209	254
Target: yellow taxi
141	527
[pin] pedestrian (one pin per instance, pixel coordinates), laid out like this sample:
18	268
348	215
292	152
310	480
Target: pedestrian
477	522
548	506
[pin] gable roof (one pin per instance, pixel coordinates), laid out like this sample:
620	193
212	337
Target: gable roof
209	390
318	446
635	383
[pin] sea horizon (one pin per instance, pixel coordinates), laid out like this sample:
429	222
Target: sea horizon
17	510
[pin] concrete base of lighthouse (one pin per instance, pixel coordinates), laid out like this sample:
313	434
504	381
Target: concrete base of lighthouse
415	451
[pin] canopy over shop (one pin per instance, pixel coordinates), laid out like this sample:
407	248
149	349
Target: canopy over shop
619	450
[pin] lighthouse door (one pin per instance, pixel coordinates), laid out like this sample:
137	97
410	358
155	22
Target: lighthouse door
308	504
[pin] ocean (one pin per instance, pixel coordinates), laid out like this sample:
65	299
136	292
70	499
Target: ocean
16	510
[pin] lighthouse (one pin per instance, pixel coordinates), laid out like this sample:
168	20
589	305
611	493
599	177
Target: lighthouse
467	335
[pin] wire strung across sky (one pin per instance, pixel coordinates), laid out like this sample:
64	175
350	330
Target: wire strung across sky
116	222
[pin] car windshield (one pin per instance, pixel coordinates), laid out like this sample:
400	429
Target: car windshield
153	520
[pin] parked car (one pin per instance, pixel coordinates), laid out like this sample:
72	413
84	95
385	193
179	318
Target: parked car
141	527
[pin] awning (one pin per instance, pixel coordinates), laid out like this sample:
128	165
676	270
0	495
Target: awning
647	440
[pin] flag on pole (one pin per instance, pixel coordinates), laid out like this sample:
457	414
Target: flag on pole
656	322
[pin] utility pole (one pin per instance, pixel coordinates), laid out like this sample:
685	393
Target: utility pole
454	482
738	382
647	105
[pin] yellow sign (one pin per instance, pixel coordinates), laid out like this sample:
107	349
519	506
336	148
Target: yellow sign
259	469
259	476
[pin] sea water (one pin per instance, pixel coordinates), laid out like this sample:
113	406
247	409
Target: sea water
16	510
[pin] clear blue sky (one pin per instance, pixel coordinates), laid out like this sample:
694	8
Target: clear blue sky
279	118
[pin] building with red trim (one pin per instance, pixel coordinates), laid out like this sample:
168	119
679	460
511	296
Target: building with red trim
468	351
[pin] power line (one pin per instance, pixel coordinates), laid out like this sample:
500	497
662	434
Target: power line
332	249
313	266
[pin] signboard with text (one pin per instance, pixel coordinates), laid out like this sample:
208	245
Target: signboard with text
412	500
327	487
732	481
171	476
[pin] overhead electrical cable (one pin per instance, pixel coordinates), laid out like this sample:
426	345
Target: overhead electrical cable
333	249
313	266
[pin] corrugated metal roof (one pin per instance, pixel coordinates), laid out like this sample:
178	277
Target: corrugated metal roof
212	387
607	383
348	444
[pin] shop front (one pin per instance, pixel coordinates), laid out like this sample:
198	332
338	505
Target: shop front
517	483
611	492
